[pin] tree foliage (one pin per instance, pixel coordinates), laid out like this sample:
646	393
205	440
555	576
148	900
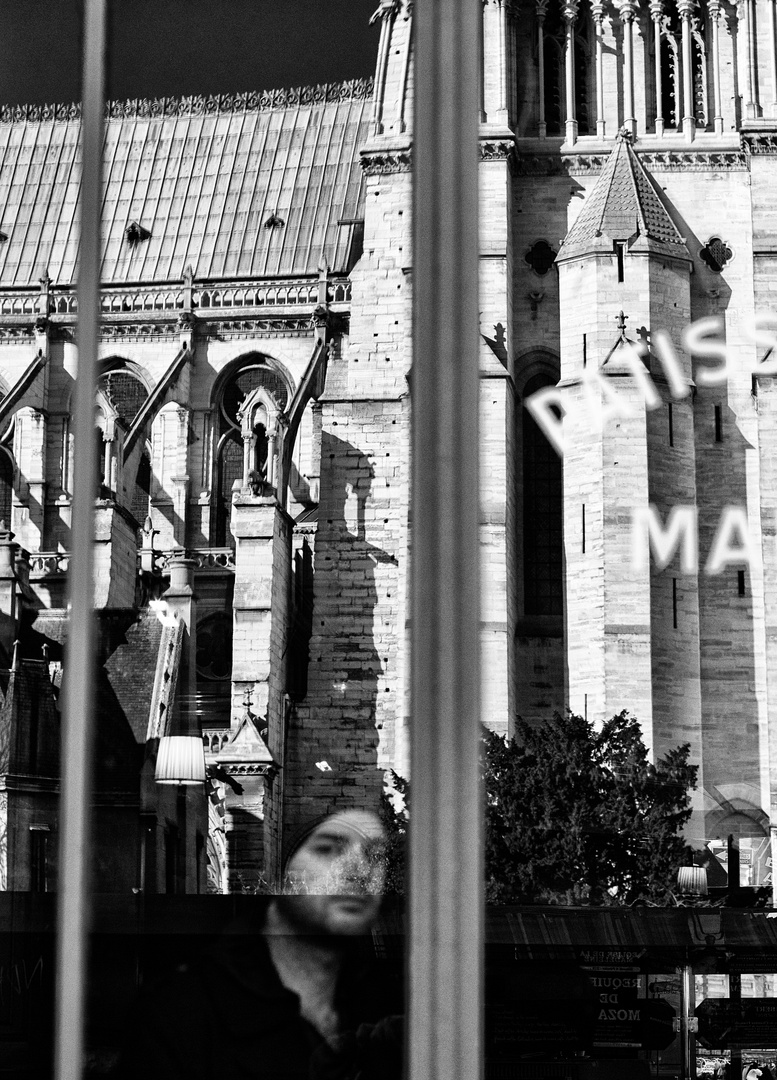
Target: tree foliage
574	815
581	816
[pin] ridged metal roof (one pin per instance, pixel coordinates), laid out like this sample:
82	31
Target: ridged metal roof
202	176
623	205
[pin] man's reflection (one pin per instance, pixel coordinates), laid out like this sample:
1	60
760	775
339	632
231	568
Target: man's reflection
294	996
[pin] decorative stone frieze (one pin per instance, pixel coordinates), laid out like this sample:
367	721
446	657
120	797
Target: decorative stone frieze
765	143
497	150
658	160
16	333
142	108
694	161
384	163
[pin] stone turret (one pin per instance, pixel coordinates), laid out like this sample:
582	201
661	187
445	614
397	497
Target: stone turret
632	630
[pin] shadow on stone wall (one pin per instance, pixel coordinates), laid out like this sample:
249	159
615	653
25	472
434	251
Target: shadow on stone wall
332	750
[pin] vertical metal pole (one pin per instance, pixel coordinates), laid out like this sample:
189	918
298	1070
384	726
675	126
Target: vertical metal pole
446	844
74	855
688	1010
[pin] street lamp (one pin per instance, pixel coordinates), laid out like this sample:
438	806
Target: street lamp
180	760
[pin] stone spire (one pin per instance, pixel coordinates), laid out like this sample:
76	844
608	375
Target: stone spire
624	206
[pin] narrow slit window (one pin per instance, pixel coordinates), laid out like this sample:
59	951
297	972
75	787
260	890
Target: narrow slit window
741	582
583	523
585	350
39	860
674	602
620	252
671	425
718	423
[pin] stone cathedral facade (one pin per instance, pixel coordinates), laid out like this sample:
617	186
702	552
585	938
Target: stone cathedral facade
252	418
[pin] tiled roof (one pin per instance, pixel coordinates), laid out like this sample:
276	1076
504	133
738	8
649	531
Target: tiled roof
623	205
245	186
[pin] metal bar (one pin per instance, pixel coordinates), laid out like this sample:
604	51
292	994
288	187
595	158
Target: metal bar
74	853
446	843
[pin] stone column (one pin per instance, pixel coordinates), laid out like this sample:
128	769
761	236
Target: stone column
597	10
772	54
569	12
262	532
657	14
30	497
386	13
180	480
8	591
541	9
495	67
713	7
627	12
746	18
685	7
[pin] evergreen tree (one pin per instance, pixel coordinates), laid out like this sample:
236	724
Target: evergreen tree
573	815
580	816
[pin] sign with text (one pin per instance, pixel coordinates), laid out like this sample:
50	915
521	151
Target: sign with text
624	1018
751	1023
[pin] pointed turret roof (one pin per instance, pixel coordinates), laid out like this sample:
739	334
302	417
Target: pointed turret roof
624	205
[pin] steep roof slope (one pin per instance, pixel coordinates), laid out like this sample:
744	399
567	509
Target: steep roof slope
624	205
202	176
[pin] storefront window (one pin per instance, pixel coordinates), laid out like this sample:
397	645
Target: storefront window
407	570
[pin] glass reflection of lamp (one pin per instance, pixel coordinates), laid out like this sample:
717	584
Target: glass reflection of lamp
692	881
180	760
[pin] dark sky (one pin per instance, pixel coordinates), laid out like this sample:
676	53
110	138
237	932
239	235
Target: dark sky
175	47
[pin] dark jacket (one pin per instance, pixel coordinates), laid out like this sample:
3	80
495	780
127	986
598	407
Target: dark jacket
227	1016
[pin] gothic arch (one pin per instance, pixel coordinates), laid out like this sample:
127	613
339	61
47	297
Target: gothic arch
248	400
739	817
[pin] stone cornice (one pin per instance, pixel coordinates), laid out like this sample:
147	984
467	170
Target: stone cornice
217	325
379	162
141	108
655	160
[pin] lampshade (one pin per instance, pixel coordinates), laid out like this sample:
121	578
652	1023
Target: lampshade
180	760
692	880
